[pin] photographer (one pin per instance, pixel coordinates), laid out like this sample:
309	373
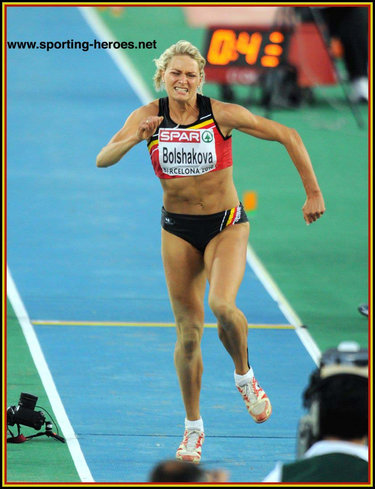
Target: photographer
332	437
181	471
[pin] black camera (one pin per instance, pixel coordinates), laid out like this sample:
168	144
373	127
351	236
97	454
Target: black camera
24	413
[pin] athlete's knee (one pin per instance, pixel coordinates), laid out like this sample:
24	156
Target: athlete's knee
189	338
223	310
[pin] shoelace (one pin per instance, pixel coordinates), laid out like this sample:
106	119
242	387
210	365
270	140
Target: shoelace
249	392
192	438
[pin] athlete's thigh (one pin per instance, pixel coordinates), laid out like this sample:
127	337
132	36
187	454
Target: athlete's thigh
225	261
185	276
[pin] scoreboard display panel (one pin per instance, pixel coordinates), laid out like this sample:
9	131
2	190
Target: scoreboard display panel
240	55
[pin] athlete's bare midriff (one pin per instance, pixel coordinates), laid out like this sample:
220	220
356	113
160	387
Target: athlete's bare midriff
199	195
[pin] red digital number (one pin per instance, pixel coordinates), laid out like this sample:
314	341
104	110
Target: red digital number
222	48
225	48
249	45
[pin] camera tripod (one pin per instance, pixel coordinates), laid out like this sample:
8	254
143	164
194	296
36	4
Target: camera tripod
48	432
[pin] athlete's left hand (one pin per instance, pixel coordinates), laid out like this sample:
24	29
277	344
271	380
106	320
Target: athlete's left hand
313	208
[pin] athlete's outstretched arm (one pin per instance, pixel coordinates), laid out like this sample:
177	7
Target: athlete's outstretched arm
140	125
232	116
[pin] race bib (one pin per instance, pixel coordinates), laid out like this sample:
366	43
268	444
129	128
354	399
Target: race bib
187	152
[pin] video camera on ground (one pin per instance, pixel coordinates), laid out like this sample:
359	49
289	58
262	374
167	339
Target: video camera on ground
24	413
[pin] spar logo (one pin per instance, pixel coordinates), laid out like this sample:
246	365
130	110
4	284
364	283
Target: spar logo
181	136
207	136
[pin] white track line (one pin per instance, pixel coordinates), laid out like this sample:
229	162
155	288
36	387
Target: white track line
122	62
135	80
47	381
276	294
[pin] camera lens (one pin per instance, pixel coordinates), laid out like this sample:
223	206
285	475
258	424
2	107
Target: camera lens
27	401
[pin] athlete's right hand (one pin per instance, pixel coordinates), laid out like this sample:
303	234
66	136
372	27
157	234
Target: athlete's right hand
147	128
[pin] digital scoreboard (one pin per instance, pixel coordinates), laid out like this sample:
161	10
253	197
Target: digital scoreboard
240	55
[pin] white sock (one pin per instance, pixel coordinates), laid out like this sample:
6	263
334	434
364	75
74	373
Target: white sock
243	379
194	425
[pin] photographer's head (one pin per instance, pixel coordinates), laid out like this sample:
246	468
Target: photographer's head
343	410
337	398
177	471
182	471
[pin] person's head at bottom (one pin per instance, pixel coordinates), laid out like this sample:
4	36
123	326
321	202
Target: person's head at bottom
337	399
181	471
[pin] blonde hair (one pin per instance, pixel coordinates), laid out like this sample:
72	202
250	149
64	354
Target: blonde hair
178	49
